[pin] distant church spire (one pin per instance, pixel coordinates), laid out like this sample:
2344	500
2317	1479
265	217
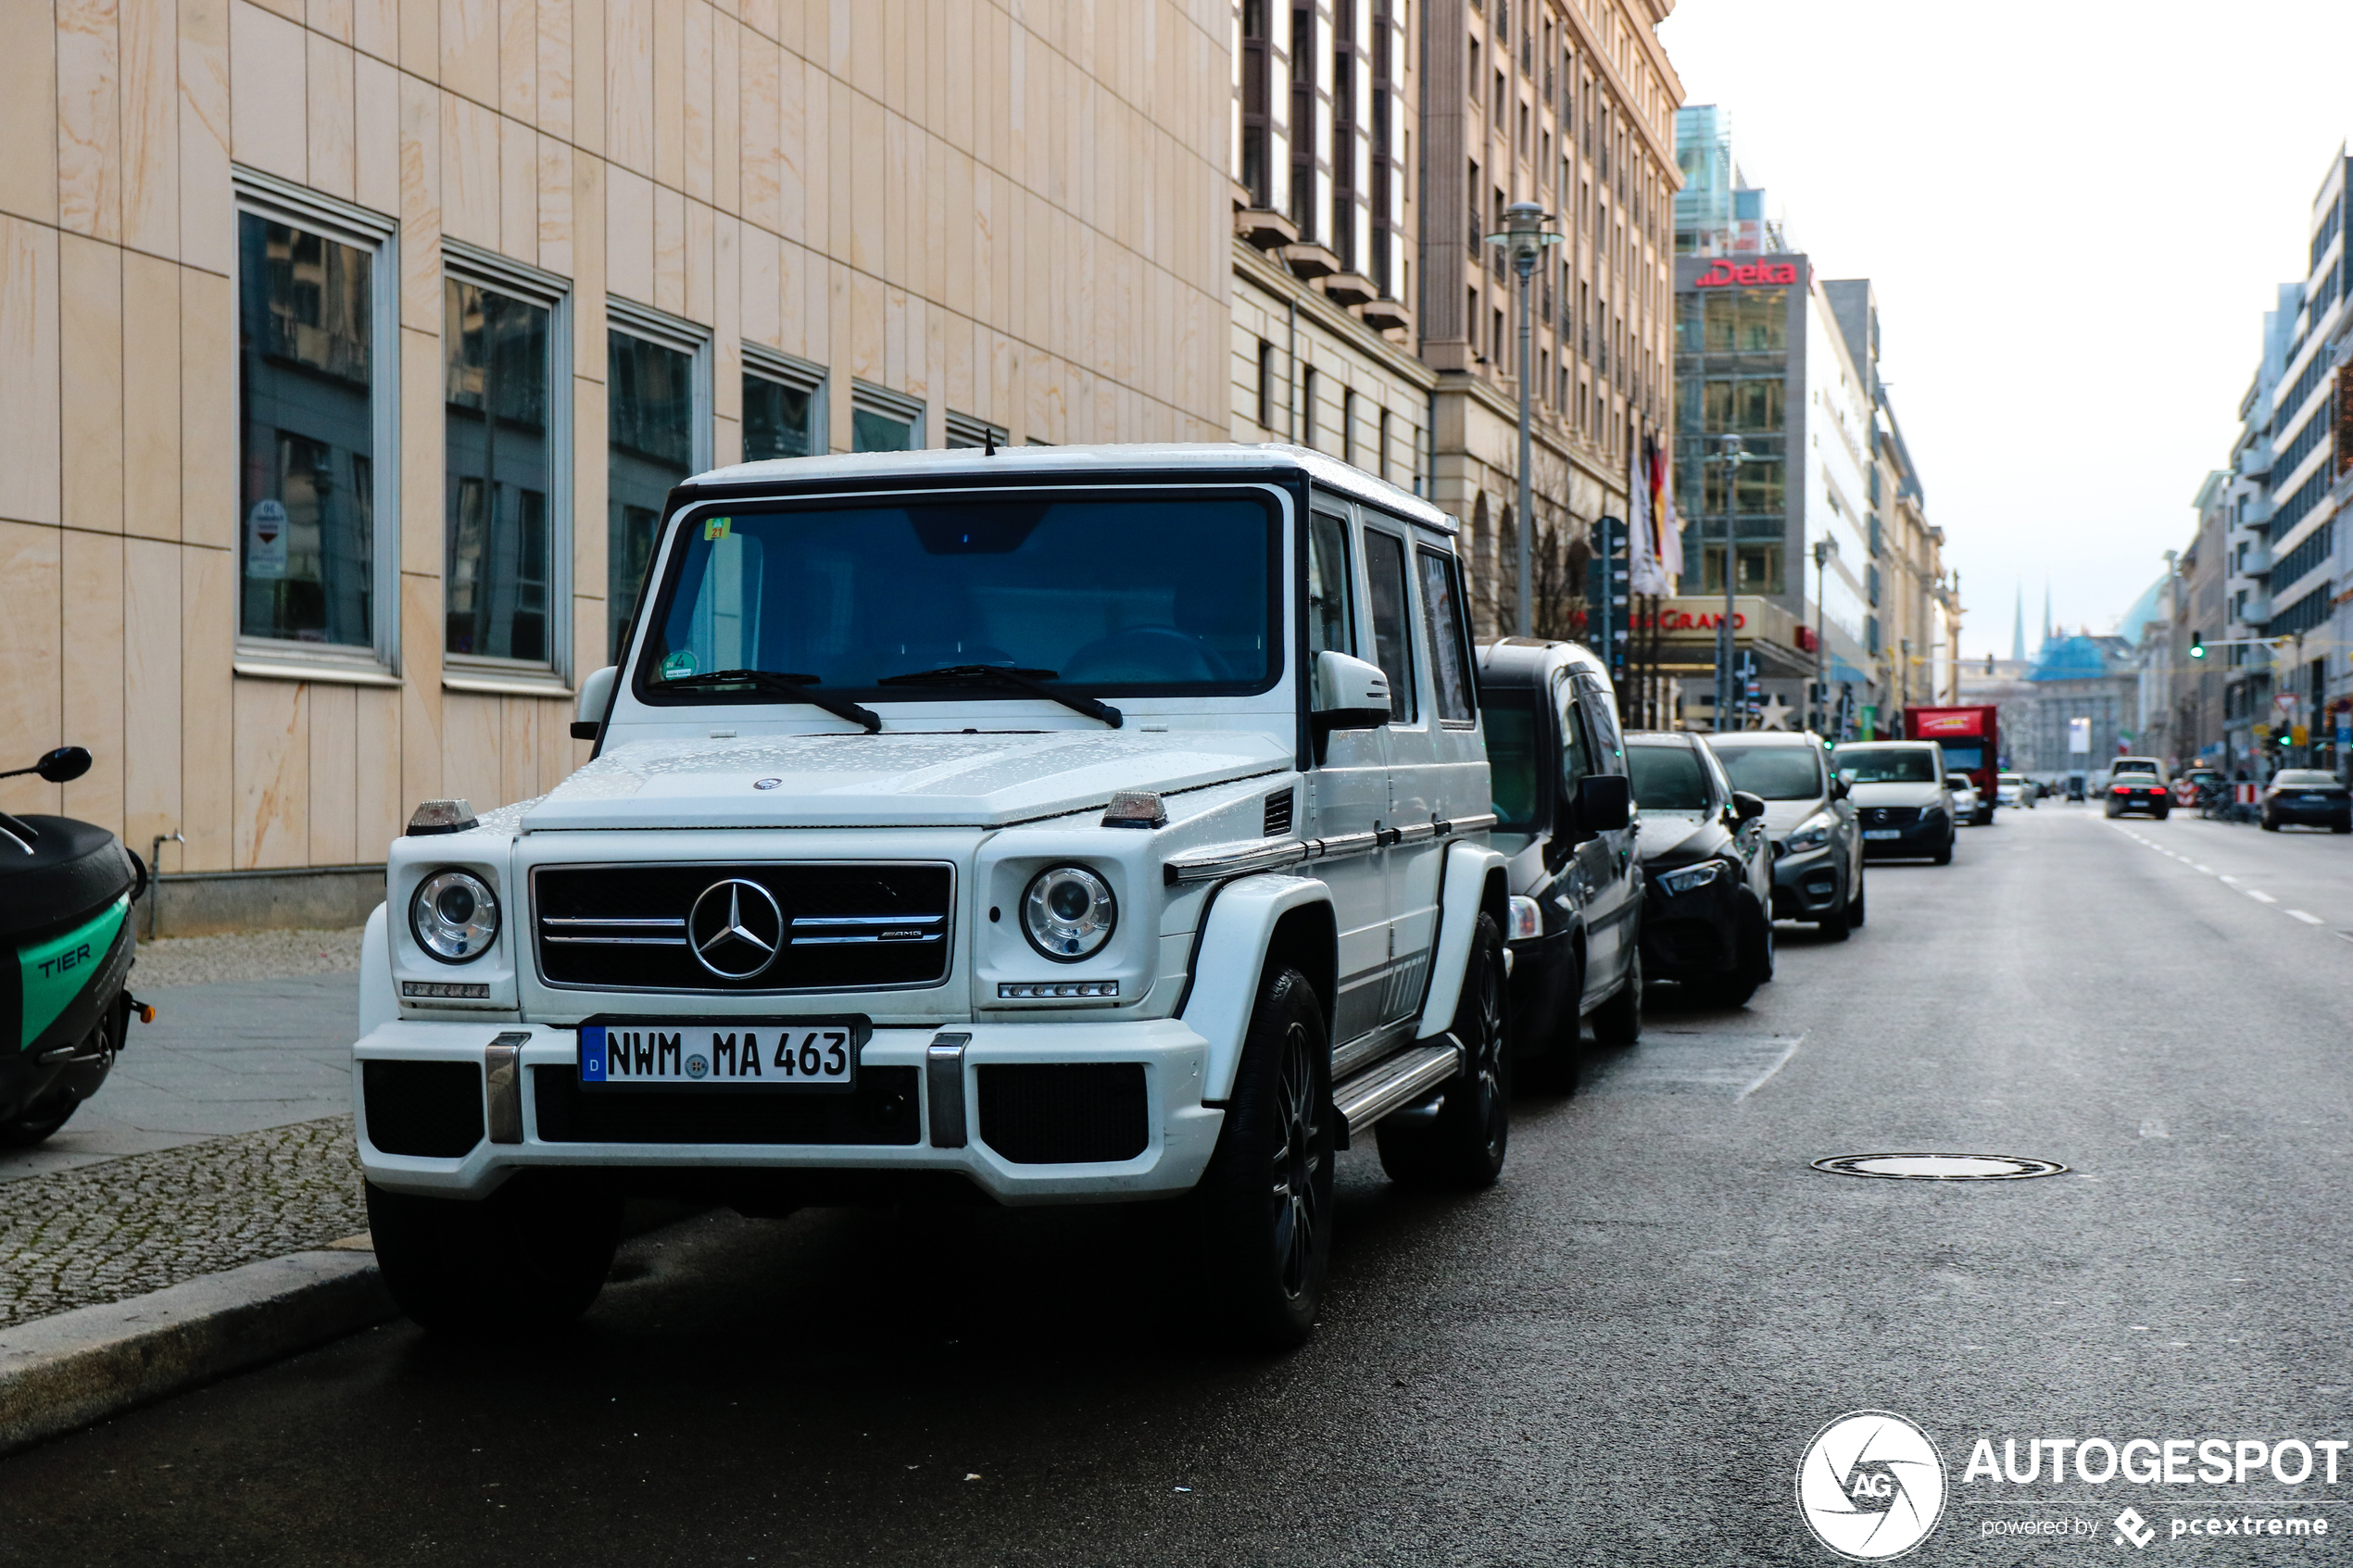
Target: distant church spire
2017	628
2046	612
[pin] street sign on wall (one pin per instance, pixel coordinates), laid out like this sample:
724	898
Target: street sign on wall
2078	737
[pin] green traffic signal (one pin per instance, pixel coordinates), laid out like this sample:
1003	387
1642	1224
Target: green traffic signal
2197	645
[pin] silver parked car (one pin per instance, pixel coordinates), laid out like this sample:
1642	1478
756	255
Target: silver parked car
1818	844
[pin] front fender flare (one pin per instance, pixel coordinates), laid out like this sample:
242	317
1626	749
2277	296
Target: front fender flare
1229	965
1471	869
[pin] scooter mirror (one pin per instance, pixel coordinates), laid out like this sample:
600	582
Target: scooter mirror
63	765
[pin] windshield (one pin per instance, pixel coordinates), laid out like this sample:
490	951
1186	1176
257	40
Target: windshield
1667	778
1158	596
2133	765
1773	773
1511	757
2304	777
1888	765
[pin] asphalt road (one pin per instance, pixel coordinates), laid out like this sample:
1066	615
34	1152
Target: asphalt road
1618	1356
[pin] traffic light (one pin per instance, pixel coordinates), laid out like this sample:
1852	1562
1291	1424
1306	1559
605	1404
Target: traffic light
2197	645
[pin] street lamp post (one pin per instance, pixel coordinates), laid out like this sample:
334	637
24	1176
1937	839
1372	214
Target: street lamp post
1732	451
1525	235
1824	548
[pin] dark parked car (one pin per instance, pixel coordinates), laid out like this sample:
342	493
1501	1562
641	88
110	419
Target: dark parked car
1818	844
1564	816
1900	796
2137	784
2308	797
1708	896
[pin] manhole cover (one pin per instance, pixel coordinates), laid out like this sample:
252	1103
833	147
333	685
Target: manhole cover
1939	1167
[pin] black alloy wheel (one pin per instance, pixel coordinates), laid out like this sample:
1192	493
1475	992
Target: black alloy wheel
530	1256
1461	1145
1555	1062
1263	1206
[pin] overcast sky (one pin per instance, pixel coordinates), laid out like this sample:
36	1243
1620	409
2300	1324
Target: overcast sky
2074	215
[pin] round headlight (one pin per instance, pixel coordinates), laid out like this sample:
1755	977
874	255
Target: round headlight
1068	913
455	916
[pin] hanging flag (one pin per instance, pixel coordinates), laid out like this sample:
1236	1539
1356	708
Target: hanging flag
1670	526
1641	553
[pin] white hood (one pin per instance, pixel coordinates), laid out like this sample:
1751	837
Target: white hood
1663	831
1897	795
890	780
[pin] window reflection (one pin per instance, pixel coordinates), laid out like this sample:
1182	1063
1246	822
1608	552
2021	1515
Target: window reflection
495	403
649	393
307	423
1744	320
779	421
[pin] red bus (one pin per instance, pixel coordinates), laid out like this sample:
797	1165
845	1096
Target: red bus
1972	741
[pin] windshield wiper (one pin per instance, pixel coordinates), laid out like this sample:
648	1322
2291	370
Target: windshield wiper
776	682
1030	681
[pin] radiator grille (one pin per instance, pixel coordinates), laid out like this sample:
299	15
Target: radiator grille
834	926
1278	814
1889	816
1064	1113
881	1110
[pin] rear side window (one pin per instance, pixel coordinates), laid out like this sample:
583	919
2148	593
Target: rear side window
1599	707
1442	625
1392	639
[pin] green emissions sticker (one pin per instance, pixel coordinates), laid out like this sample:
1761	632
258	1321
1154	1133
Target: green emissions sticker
55	971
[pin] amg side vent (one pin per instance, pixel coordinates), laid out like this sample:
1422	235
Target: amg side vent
1278	814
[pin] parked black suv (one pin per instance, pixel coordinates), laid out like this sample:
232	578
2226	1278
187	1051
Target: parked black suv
1709	878
1563	816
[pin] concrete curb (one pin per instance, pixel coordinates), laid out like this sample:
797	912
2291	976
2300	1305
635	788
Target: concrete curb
61	1373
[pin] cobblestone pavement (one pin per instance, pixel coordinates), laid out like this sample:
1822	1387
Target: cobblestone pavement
245	955
76	1238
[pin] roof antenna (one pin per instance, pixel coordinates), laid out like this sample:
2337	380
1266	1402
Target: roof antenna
989	441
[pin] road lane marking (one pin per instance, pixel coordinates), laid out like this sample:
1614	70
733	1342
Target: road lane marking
1732	1065
2258	897
2309	919
2207	870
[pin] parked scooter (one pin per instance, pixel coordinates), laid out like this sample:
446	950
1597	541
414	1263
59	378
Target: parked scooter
66	893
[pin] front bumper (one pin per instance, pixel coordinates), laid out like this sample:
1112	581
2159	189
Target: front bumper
1693	936
1924	837
1806	884
2316	813
922	1108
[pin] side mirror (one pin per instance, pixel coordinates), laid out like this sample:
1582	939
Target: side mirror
1604	802
588	709
1746	807
1841	785
63	765
1350	693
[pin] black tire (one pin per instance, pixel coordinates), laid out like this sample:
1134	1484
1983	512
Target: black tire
1461	1146
1837	922
1266	1244
2341	827
1855	902
2269	825
2163	813
1555	1064
2111	810
527	1257
1752	968
1618	1022
37	1123
1944	856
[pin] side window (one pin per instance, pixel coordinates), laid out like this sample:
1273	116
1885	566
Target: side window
1442	625
1393	640
1331	612
1577	748
1717	781
1609	750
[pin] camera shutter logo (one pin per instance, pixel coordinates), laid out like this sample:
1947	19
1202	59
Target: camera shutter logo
1871	1485
735	928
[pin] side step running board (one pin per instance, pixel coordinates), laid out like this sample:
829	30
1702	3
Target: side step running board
1403	1078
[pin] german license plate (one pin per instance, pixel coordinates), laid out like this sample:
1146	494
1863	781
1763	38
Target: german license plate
1883	833
803	1054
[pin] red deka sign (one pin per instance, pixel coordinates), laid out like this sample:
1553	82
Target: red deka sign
1724	272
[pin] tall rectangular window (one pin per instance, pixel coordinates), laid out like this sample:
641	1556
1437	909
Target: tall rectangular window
1257	120
1381	451
1347	425
1265	384
653	441
497	377
884	421
780	420
1302	122
1307	408
310	414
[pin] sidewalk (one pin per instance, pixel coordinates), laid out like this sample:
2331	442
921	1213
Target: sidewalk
189	1220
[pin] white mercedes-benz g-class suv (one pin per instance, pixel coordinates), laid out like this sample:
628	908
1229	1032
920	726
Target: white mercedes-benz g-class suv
1076	824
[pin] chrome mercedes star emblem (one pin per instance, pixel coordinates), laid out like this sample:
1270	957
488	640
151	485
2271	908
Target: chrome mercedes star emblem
736	929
